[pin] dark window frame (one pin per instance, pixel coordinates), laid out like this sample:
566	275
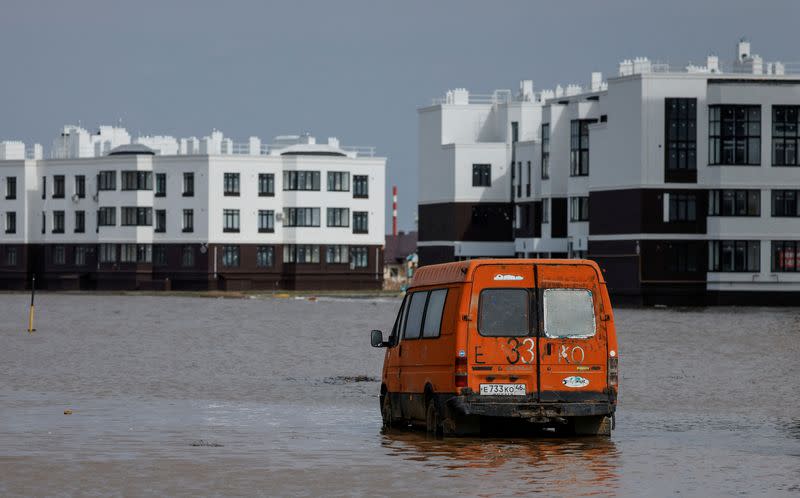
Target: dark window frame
360	186
11	187
682	207
579	146
231	256
133	180
337	217
11	222
482	175
261	251
59	186
778	249
301	180
786	134
361	222
301	217
188	184
80	186
160	220
231	221
717	251
161	185
734	124
582	211
718	203
266	185
136	216
267	216
680	135
231	184
531	308
107	180
545	173
187	221
338	181
80	221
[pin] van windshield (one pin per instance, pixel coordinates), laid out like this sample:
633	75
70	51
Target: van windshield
568	313
504	312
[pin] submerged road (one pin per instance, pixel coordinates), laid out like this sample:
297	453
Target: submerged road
198	396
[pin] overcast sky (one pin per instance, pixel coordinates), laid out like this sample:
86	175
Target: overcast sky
357	70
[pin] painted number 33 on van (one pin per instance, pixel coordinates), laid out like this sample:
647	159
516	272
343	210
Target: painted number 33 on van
516	343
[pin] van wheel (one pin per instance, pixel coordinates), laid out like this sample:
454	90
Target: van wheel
591	426
386	411
433	419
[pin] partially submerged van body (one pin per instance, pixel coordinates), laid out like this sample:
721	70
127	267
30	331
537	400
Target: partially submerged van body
514	341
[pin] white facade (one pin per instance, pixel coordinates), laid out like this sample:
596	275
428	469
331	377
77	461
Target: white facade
627	174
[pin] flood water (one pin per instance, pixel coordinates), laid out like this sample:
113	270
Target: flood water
198	396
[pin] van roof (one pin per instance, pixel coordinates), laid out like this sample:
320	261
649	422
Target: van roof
462	271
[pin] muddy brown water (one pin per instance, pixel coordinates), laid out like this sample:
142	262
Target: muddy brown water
197	396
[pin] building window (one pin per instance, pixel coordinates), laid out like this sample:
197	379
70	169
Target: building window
734	203
187	256
785	203
734	135
360	186
682	257
230	220
59	255
58	221
80	221
338	181
58	186
136	253
11	187
545	151
188	221
785	255
44	187
137	180
265	256
80	255
301	217
337	255
513	178
514	132
137	216
11	222
266	184
293	253
231	184
785	135
80	186
681	130
579	147
358	257
188	184
108	253
519	175
734	256
578	209
682	207
159	255
106	217
44	221
545	210
528	185
161	220
161	185
266	221
338	217
301	180
11	256
482	175
360	222
107	180
230	256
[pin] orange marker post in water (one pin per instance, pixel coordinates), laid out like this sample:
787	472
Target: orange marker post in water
31	330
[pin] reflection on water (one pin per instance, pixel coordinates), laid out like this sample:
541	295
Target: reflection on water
184	396
570	465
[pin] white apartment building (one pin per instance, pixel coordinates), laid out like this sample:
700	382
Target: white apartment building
111	213
682	183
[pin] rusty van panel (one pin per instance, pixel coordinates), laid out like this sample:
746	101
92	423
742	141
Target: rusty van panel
572	367
501	349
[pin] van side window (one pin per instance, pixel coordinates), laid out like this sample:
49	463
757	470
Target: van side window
416	308
433	313
568	313
394	337
504	312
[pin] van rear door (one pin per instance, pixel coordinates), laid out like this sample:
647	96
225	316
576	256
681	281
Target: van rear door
501	343
573	342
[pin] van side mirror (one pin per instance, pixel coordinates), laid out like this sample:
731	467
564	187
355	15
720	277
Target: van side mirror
376	338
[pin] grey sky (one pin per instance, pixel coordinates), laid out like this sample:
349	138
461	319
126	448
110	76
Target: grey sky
353	69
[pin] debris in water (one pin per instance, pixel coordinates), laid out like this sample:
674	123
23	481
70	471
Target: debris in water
349	379
67	412
209	444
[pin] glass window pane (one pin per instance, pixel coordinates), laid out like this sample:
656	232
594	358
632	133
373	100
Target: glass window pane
503	312
433	315
414	318
568	313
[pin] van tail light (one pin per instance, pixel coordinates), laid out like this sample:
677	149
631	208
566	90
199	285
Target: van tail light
613	371
461	372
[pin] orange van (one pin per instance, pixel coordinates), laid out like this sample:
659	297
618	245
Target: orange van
499	343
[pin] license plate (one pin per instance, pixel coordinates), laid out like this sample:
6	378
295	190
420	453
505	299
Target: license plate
503	389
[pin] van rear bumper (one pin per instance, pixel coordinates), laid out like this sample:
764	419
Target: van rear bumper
527	407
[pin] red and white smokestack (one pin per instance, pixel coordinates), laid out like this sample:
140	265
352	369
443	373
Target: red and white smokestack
394	210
